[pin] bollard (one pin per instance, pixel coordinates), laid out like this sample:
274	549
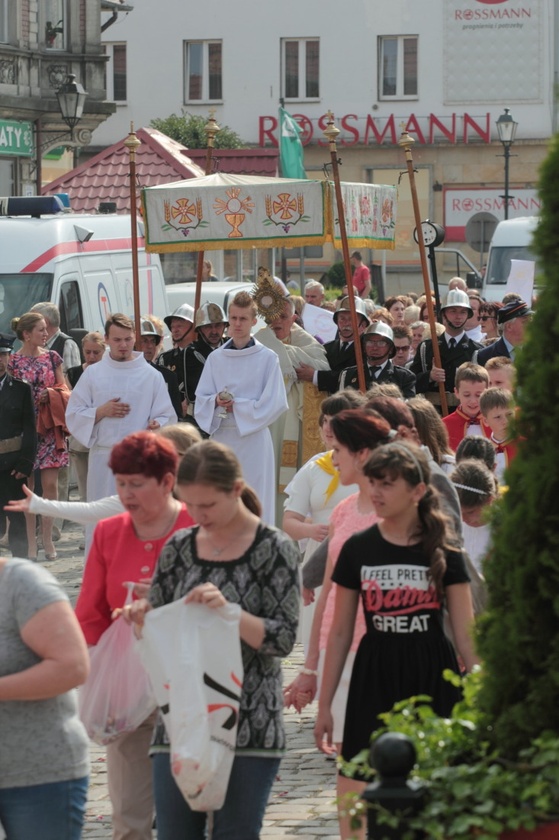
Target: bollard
393	756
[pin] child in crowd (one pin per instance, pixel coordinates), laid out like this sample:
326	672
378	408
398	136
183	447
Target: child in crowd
497	408
470	383
479	448
477	488
501	372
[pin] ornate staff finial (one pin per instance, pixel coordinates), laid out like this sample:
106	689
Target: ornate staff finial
211	128
406	141
132	142
331	131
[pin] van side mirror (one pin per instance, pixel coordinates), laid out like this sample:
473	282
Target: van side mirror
473	280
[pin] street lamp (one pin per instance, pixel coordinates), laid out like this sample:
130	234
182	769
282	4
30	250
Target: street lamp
506	128
71	99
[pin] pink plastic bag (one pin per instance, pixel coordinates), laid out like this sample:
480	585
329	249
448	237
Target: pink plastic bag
117	696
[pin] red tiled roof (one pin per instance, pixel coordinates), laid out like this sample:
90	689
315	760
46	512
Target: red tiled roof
159	160
262	162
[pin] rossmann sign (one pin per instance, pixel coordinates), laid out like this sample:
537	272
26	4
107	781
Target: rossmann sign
492	10
372	131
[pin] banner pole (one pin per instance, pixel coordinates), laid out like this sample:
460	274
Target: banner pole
331	132
406	142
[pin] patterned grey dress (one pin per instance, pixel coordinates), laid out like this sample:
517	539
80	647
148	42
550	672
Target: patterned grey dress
265	583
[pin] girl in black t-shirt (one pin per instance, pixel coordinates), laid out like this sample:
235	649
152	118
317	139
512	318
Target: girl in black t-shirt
405	570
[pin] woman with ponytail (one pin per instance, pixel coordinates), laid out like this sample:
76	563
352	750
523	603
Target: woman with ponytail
405	571
229	556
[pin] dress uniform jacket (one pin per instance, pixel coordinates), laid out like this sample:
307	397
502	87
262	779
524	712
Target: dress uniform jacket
338	359
394	374
451	359
498	348
196	355
17	419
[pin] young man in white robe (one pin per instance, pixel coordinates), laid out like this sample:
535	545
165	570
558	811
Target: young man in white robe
240	393
294	347
119	395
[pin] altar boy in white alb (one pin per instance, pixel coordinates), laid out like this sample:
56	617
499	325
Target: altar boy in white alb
240	393
119	395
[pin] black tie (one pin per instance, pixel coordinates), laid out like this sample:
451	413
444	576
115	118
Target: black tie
452	343
345	345
375	370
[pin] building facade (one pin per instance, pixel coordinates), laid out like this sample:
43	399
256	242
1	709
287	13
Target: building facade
443	69
42	42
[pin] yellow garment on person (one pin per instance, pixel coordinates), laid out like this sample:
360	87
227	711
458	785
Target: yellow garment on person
326	463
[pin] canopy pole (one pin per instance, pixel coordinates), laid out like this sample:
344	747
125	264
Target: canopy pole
331	132
406	142
132	144
211	128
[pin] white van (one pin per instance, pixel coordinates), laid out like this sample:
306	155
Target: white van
221	292
511	241
80	262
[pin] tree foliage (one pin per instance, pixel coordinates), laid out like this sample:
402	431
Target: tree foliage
519	636
188	129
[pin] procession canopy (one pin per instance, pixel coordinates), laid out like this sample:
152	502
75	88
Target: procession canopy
224	211
370	215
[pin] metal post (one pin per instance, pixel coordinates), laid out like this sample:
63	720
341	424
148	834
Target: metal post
393	756
507	156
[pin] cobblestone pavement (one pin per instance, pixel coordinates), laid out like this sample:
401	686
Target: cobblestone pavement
302	800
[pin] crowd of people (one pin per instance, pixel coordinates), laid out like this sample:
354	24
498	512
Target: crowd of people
223	471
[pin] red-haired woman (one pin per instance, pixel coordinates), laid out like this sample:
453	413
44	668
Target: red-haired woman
126	548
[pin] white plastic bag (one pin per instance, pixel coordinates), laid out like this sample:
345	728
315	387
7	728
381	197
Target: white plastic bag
117	696
193	656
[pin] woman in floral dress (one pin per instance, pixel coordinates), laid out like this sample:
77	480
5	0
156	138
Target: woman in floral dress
42	369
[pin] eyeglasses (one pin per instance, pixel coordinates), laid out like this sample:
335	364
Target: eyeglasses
404	349
486	317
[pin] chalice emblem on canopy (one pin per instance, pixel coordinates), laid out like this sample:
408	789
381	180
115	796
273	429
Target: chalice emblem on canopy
235	210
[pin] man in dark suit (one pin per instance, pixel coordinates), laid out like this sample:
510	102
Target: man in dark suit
209	326
18	445
454	345
378	352
181	326
512	320
149	342
340	352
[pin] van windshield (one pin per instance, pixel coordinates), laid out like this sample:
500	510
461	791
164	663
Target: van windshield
18	293
498	268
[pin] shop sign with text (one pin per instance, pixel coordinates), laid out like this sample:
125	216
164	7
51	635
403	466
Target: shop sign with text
370	131
461	205
16	138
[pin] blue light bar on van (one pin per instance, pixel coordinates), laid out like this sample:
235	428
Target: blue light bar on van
35	205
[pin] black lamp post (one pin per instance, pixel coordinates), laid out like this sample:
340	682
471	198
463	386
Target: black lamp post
71	100
506	128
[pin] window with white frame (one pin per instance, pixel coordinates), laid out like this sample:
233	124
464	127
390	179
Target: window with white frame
300	60
115	72
55	22
398	67
202	71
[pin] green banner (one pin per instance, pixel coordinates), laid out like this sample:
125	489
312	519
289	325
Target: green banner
16	138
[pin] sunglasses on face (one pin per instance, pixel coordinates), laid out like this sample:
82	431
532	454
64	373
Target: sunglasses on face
487	318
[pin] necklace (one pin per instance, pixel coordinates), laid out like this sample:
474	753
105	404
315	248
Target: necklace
217	552
165	530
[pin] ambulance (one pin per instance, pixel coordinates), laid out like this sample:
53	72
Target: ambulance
81	262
